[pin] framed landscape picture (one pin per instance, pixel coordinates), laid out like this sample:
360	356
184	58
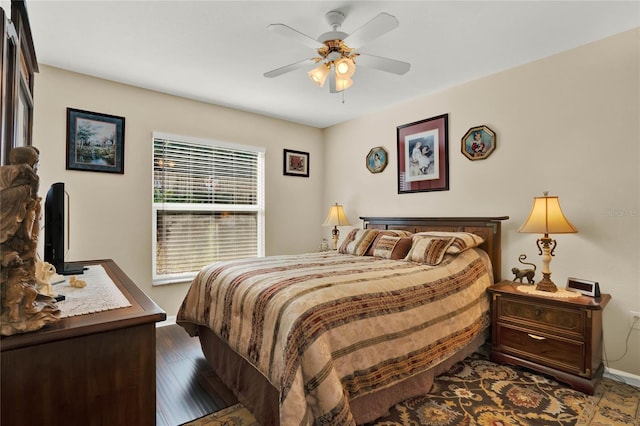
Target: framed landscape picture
296	163
423	156
95	142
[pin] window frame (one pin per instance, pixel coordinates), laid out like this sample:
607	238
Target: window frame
259	207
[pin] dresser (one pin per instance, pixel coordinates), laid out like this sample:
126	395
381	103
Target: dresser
91	369
561	337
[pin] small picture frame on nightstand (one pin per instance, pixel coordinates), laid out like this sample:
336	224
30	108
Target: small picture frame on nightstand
586	287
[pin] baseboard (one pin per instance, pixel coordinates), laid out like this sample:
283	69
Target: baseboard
622	376
171	319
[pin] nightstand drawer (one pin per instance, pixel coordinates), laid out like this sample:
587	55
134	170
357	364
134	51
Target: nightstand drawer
562	354
570	322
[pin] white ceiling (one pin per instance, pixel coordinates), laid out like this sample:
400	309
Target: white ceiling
217	51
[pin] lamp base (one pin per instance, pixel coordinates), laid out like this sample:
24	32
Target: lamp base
335	234
546	284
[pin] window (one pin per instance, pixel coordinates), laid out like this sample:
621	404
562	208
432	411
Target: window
208	205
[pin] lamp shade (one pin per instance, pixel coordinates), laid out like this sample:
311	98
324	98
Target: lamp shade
345	67
336	217
546	217
319	74
343	84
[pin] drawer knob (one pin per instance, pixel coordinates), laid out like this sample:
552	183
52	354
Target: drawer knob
537	311
533	336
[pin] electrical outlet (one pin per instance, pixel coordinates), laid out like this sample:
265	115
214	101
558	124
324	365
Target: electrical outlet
635	320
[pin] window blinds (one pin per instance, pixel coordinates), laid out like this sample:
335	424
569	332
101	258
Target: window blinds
208	203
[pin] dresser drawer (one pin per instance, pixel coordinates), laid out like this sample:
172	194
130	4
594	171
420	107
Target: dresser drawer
553	351
569	322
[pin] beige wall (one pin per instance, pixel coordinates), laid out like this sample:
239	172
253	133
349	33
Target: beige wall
568	124
111	213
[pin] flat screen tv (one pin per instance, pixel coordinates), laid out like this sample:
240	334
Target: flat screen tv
56	227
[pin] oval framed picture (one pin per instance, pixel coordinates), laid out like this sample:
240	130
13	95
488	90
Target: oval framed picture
377	159
478	143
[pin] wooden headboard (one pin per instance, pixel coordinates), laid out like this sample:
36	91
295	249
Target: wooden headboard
486	227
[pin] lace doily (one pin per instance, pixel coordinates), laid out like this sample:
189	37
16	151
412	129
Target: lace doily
562	293
100	294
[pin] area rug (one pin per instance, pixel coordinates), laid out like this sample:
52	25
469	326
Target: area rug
236	415
479	392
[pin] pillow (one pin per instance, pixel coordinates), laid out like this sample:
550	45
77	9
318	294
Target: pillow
396	232
389	247
461	240
358	242
350	237
428	250
388	232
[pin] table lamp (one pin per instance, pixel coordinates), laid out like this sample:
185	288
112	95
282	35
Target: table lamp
335	218
546	218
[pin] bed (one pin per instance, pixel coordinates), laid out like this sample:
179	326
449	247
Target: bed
339	337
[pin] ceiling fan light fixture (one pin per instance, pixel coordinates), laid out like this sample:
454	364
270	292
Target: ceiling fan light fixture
319	74
336	51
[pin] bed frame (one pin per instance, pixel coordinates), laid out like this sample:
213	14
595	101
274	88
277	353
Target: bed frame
489	228
257	394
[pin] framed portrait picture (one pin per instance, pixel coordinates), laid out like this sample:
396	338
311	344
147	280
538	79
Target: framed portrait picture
377	159
296	163
423	156
95	142
478	143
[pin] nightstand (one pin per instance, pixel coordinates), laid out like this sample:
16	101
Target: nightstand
561	337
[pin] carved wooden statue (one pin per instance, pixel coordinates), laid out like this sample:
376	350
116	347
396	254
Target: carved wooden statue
22	308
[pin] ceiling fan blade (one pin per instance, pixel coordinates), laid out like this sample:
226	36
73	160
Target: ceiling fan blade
379	25
290	33
287	68
383	64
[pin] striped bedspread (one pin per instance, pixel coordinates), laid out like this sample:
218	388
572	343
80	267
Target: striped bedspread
324	328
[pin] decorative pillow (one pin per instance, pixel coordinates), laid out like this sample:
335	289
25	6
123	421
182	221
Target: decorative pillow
396	232
358	243
388	232
461	240
349	238
388	247
428	250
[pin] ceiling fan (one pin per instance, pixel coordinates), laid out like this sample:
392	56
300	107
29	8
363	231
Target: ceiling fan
338	51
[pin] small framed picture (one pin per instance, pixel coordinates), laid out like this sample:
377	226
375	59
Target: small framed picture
95	142
423	155
377	159
478	143
296	163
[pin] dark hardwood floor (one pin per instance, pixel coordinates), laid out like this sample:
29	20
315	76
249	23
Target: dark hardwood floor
186	387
